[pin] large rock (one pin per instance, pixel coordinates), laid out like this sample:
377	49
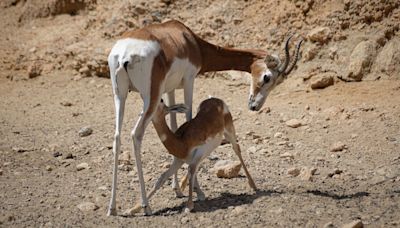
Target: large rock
227	169
388	60
322	81
361	60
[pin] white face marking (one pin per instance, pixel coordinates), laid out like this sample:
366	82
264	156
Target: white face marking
257	99
179	69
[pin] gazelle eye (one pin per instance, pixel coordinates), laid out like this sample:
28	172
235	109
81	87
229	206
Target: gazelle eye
266	79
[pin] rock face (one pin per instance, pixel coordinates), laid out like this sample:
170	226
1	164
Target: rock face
227	169
388	60
38	8
322	81
361	60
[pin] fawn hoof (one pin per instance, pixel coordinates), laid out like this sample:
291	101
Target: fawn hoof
201	196
112	212
178	193
132	211
147	210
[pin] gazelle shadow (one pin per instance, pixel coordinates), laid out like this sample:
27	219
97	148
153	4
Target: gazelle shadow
223	201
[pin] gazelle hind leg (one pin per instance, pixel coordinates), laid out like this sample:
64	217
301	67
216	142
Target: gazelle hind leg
230	135
120	85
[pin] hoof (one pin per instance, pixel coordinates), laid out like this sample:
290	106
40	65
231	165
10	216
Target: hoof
201	196
112	212
187	210
147	211
132	211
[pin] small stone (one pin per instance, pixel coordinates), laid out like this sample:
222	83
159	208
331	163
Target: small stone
66	103
278	135
19	149
69	156
185	219
293	123
238	210
287	155
354	224
1	172
338	146
85	131
125	158
57	154
329	225
87	206
307	173
335	172
294	172
84	71
227	168
34	70
48	168
82	166
252	149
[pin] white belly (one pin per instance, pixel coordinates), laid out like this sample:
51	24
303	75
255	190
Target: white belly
180	69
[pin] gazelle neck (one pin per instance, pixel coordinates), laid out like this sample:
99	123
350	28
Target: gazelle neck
216	58
171	141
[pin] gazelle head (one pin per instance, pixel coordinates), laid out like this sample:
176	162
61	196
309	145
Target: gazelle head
269	73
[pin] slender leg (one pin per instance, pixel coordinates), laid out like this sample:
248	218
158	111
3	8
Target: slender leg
188	96
230	135
200	194
120	85
137	137
170	100
192	173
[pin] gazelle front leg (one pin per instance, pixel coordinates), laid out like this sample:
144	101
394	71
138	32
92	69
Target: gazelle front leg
137	137
170	100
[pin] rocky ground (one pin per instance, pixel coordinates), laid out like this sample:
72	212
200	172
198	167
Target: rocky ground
324	151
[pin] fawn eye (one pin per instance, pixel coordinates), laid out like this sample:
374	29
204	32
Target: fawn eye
266	79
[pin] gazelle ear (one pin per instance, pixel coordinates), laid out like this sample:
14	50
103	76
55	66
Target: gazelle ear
272	61
178	108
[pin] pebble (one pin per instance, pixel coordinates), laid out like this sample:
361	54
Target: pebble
293	123
82	166
57	154
227	168
338	146
66	104
48	168
252	149
294	172
354	224
125	158
87	206
287	155
85	131
307	173
278	135
69	156
1	172
329	225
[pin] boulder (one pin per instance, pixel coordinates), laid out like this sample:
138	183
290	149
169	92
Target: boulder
361	60
388	60
322	81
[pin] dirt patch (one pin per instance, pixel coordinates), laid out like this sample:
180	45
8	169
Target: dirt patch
319	156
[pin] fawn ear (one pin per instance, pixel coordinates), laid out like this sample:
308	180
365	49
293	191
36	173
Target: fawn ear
178	108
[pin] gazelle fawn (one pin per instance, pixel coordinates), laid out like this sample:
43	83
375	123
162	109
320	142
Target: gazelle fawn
194	141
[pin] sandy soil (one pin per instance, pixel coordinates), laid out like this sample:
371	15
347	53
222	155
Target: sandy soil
40	148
